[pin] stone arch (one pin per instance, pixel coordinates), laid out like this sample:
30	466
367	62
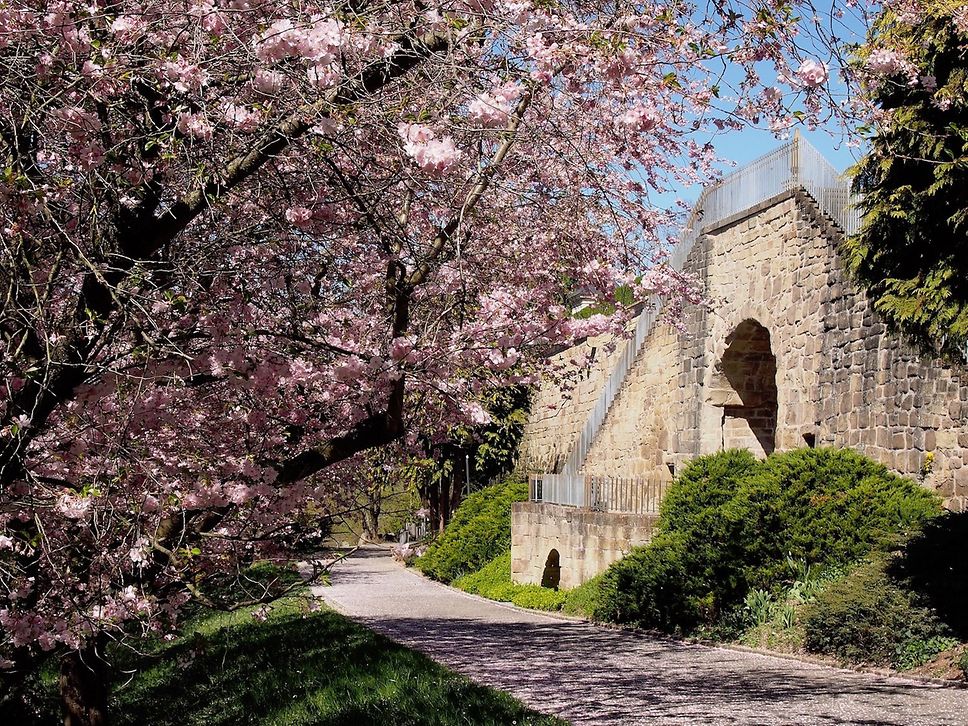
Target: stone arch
551	577
743	387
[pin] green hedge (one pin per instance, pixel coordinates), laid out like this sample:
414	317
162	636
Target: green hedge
493	581
867	617
479	531
935	564
584	599
730	523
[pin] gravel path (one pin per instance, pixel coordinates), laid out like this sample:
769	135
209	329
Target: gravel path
592	675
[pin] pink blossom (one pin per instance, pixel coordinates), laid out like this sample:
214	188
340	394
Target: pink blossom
73	507
183	75
350	371
128	28
476	414
415	133
78	122
139	552
268	82
195	125
884	62
281	40
960	17
321	43
400	348
323	76
242	118
88	156
239	493
640	118
492	110
772	96
812	73
212	20
299	216
433	155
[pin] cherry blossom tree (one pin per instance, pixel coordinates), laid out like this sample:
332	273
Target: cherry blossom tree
243	241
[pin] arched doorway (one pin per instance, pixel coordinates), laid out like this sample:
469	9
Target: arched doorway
744	386
551	576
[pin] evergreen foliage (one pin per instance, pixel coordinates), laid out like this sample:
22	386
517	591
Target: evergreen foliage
867	617
934	564
911	249
479	532
730	524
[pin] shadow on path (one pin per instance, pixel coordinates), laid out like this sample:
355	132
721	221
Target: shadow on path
591	675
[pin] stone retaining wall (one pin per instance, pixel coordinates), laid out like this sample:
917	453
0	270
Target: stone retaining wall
587	542
790	354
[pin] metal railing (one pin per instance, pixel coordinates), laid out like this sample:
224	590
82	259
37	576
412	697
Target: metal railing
795	165
630	495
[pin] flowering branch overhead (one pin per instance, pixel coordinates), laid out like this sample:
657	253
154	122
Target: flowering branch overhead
242	242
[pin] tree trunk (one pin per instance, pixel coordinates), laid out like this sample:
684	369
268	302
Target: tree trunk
371	520
84	688
456	493
444	505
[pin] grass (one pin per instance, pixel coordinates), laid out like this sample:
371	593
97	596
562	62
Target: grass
493	581
300	668
583	600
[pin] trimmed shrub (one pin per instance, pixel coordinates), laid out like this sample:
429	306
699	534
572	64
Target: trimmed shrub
730	524
584	599
935	564
706	484
493	581
537	597
658	586
867	618
836	505
479	531
495	575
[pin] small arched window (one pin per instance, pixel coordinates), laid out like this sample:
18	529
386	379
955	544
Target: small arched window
551	577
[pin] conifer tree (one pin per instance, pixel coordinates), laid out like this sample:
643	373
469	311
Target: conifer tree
912	249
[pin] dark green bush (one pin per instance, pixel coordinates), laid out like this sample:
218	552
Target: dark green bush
706	484
836	505
935	564
730	523
479	532
868	618
658	586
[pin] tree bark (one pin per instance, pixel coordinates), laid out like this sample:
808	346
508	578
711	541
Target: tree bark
371	516
84	688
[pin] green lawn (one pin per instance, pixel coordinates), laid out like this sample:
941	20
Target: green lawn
302	668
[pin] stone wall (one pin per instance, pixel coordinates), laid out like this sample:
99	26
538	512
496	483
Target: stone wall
587	542
790	354
557	417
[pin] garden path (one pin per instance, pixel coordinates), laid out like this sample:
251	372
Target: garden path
595	675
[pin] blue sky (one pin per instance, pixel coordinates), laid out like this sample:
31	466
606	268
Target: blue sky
743	146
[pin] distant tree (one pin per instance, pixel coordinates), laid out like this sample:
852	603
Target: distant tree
438	473
912	249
